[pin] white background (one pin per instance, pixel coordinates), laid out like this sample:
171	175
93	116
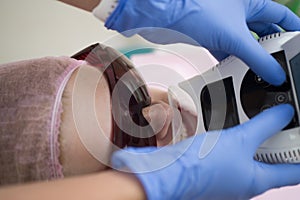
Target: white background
37	28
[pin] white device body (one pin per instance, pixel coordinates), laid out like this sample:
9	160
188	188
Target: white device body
284	147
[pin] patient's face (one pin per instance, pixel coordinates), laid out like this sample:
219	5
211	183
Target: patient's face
73	152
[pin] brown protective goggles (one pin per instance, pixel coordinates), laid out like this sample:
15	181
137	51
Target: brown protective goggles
129	96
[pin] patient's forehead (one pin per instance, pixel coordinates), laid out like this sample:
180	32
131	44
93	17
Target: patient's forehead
86	122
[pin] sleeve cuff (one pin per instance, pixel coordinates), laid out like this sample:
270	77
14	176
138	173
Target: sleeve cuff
104	9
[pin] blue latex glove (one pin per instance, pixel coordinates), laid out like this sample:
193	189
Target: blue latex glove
190	170
221	26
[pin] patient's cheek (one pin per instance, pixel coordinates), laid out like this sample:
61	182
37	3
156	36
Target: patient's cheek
72	151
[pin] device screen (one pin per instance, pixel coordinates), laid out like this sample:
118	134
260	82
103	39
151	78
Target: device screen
218	99
258	95
295	67
219	105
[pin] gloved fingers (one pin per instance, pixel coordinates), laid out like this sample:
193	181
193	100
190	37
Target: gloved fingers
266	124
274	176
258	59
219	55
276	13
132	159
263	29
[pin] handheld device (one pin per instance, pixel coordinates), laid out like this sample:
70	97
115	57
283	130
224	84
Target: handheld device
230	93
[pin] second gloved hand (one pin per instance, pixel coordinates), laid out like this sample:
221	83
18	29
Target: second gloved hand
220	26
215	165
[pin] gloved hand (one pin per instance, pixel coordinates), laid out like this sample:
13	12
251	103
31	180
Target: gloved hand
220	26
215	165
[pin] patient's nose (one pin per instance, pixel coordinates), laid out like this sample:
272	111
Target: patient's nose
159	116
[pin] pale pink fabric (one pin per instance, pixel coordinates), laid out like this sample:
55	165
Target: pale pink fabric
29	148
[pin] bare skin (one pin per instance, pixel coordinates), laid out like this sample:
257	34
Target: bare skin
87	5
105	185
